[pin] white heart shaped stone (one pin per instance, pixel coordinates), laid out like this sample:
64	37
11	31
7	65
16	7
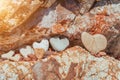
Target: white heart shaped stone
94	43
8	55
44	44
59	44
16	57
26	51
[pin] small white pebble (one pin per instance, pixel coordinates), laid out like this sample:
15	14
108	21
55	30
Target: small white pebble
59	44
26	51
8	55
44	44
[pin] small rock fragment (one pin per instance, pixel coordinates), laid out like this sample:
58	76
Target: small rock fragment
94	43
59	44
85	5
26	51
32	57
44	44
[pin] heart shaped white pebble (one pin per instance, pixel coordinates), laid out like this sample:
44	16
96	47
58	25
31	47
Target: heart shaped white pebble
8	55
26	51
94	43
59	44
16	57
44	44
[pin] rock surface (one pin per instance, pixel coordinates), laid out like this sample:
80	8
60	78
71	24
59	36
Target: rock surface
72	64
16	70
77	64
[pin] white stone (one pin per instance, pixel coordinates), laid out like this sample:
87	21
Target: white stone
59	44
8	55
26	51
44	44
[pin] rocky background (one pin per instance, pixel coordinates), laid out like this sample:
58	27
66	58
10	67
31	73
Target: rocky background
64	19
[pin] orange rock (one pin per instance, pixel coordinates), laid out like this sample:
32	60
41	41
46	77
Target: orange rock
58	28
39	53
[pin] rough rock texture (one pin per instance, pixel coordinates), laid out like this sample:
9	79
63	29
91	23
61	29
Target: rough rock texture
16	70
77	64
85	5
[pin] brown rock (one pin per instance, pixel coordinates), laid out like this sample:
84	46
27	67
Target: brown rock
39	53
72	64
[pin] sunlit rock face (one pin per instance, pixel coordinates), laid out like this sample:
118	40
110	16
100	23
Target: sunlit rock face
15	12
